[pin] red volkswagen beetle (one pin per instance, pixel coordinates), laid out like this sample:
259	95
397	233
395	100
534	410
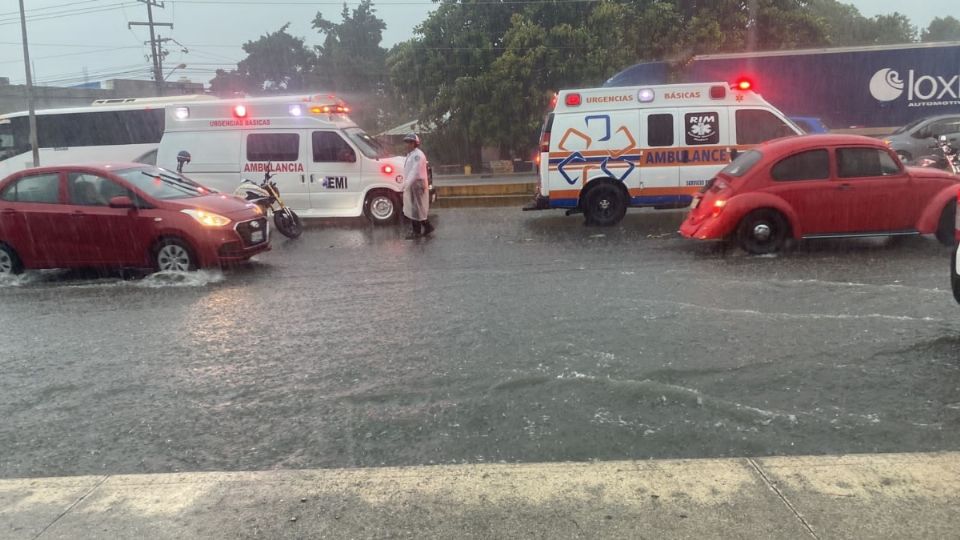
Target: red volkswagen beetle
122	216
821	186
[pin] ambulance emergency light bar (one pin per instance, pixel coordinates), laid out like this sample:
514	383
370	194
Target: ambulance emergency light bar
296	109
647	95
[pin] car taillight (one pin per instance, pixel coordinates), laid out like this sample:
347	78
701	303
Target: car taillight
545	142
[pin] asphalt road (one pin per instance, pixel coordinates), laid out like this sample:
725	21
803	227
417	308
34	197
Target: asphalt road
508	337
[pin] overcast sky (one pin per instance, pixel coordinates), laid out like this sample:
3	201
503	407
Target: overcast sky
89	39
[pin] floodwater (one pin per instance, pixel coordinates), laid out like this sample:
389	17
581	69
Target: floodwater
508	337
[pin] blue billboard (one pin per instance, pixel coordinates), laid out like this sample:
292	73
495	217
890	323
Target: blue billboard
850	87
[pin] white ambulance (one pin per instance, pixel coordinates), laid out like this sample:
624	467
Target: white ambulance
603	150
324	164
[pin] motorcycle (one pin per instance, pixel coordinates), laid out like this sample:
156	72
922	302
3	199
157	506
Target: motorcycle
949	160
266	195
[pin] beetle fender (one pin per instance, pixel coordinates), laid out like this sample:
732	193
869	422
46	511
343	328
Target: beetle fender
738	207
930	218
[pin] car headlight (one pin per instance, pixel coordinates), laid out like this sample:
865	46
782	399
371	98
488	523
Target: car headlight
207	218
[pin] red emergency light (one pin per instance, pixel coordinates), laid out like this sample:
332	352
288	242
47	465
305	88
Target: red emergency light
743	84
573	100
240	111
387	169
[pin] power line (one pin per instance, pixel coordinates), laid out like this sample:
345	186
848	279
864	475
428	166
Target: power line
71	45
56	6
60	14
379	4
70	54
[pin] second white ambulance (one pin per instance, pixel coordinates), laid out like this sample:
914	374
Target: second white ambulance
603	150
323	163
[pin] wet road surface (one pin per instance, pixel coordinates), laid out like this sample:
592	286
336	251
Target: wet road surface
508	337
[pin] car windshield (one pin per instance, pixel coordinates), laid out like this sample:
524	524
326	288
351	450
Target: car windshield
162	184
742	164
368	145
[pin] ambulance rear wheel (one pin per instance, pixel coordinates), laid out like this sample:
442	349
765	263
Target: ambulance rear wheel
382	208
605	206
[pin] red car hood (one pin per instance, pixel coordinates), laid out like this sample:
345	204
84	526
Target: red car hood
218	203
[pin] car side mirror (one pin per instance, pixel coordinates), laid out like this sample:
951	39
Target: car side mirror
121	201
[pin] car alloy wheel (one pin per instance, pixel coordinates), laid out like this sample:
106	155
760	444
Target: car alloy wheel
9	262
6	262
173	258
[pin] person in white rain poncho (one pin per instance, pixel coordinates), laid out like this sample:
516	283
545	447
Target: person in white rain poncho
416	189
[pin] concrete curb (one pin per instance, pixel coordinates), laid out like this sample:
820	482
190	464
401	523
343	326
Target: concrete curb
857	496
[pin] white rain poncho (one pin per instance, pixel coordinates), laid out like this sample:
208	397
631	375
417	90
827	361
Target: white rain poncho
416	190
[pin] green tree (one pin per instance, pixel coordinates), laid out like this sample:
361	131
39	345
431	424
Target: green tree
351	62
351	57
277	62
893	28
942	29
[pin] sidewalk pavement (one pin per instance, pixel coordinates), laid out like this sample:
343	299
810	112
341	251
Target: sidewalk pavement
854	496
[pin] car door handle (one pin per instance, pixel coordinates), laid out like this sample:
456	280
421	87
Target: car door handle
303	179
844	187
311	178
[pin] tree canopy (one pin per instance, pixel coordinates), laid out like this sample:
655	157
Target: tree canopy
481	73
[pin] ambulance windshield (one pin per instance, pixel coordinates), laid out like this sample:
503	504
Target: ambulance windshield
368	145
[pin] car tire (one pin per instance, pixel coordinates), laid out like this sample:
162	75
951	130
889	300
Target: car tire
954	278
382	208
946	227
9	261
762	232
605	205
173	255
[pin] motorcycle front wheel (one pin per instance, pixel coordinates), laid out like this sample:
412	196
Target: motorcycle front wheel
288	223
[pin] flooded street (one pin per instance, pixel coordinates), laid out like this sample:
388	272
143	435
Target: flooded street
508	337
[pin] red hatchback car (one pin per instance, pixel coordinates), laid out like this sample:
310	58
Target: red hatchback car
122	216
821	186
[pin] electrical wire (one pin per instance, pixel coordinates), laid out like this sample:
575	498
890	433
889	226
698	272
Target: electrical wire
67	13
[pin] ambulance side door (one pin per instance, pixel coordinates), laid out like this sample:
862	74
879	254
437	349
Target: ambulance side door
706	136
281	150
660	137
334	174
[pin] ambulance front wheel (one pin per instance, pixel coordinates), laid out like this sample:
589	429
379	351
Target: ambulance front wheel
605	205
381	207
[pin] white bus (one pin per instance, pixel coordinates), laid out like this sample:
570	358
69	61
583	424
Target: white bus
127	130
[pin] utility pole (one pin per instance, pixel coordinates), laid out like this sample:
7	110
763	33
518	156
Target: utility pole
30	104
155	46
